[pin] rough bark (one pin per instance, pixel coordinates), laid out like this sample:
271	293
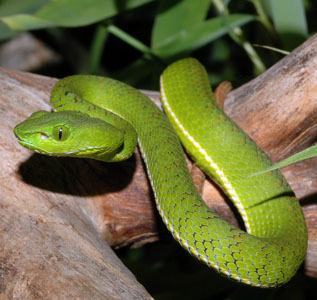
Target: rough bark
49	246
54	211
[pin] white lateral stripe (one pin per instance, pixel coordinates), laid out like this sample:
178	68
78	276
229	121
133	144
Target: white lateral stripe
222	178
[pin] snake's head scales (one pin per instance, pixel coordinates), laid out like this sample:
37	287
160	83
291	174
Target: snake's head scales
68	133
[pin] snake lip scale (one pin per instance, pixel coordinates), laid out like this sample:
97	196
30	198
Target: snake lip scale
104	119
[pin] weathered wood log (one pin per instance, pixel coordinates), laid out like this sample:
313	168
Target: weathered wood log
49	247
54	210
279	111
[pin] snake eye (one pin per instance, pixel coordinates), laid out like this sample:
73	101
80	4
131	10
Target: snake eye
60	133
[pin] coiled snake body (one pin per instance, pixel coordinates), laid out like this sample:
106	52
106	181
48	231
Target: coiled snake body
274	246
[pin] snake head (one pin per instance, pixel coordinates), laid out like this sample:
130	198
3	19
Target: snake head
69	133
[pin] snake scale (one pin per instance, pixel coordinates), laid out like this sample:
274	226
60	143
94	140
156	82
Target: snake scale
104	119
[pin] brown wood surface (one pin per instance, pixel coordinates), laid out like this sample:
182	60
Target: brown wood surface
54	212
50	248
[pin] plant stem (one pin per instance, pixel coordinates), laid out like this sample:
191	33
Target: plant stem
237	35
129	39
97	48
262	17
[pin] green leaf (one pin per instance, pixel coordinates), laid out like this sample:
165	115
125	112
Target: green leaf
21	22
10	8
71	13
13	7
5	31
300	156
199	35
188	13
289	20
17	15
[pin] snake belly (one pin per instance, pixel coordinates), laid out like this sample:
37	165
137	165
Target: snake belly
274	246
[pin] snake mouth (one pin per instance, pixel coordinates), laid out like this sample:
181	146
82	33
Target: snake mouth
31	143
35	148
22	136
26	144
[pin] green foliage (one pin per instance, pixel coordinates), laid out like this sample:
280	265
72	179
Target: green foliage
192	30
300	156
178	27
199	34
289	21
17	15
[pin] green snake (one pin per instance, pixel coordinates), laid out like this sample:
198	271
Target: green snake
104	119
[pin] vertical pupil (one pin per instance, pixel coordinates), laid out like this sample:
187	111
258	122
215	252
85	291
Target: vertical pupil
60	133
